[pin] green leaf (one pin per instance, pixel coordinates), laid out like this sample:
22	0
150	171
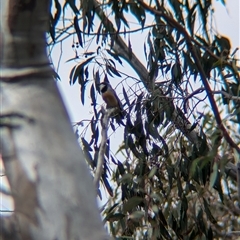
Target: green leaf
112	217
86	145
200	221
72	4
121	168
110	209
129	49
139	12
87	155
107	185
210	234
126	178
162	218
131	204
176	5
191	16
110	69
115	56
125	96
213	175
152	172
75	72
54	20
164	232
208	212
176	73
92	93
199	163
137	215
82	86
78	31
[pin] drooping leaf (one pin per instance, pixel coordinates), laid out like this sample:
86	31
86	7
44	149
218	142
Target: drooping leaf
121	168
139	12
86	145
208	212
131	204
87	155
112	217
54	19
213	175
96	77
210	234
93	96
75	72
176	73
126	97
72	4
164	232
58	12
129	49
137	215
115	56
191	19
107	185
176	5
200	221
112	69
82	86
78	31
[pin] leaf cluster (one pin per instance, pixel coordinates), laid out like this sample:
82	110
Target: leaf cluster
166	185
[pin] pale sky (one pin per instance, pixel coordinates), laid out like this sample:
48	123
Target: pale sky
226	20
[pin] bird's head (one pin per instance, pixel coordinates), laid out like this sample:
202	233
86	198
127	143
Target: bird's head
103	87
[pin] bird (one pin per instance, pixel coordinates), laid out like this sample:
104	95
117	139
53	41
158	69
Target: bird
112	101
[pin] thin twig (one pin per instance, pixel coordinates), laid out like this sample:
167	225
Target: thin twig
200	90
238	181
103	145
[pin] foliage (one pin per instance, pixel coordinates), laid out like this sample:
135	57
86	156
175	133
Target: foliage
172	181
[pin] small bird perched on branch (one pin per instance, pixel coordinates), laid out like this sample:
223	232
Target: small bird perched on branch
112	101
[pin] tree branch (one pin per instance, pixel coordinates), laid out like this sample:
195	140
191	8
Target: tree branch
120	48
103	145
53	193
192	50
200	90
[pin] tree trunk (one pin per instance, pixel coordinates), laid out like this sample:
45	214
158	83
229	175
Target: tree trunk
51	186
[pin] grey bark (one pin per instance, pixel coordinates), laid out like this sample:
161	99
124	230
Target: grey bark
51	186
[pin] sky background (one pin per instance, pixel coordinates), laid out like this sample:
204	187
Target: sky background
226	23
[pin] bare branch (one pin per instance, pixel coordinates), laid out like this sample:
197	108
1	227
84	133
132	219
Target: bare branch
100	162
238	181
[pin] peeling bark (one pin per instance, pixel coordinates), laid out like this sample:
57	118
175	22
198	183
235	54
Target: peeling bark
51	186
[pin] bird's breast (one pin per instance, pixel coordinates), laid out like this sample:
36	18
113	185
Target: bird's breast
110	100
